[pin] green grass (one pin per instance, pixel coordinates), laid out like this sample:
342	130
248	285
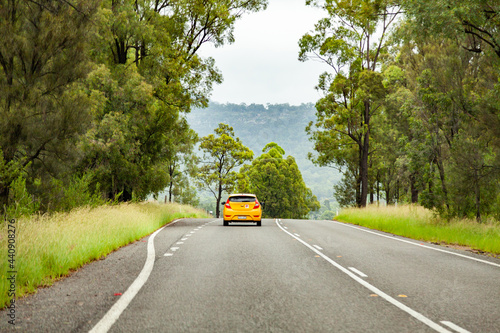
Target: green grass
49	247
419	223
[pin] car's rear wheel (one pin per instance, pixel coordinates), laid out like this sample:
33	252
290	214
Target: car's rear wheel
226	223
259	223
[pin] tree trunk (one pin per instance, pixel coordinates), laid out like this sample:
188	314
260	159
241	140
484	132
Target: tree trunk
397	191
478	197
378	190
171	170
365	149
443	181
413	189
388	195
120	51
432	199
4	198
170	188
219	196
358	190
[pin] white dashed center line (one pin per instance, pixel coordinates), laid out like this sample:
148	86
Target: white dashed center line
318	247
358	272
372	288
454	327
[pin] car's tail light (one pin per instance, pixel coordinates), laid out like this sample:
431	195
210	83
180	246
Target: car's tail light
227	204
257	204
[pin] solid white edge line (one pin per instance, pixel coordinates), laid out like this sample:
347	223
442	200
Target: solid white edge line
454	327
116	310
374	289
413	243
358	272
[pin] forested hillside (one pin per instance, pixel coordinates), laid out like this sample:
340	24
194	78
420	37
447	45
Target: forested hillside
257	125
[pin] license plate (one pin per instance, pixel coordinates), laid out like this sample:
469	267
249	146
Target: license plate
242	217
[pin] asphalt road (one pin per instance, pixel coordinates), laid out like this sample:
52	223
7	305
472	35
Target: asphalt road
286	276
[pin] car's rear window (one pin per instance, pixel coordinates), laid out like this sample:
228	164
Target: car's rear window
242	199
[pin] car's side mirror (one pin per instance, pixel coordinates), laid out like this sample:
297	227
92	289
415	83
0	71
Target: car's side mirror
223	203
263	204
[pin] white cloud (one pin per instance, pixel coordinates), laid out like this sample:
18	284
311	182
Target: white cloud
262	65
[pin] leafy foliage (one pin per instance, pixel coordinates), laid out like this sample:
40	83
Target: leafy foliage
98	90
222	155
474	22
433	114
277	182
346	41
42	104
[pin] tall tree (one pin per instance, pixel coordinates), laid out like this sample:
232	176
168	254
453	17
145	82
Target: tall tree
277	181
476	23
474	181
440	94
182	156
351	40
151	75
222	155
43	109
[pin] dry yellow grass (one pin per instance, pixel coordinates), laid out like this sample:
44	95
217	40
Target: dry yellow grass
50	246
419	223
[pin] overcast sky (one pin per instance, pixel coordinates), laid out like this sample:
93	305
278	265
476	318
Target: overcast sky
262	65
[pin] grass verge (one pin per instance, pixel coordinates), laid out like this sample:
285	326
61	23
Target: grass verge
49	247
419	223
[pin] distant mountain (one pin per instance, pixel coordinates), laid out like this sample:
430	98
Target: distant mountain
256	125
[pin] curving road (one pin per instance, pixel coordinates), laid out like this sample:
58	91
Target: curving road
286	276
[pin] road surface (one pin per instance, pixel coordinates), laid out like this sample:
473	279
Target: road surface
287	276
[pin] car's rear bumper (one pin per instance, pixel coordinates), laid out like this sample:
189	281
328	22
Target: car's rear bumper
242	217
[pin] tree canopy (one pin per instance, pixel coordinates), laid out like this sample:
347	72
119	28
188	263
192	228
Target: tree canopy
222	155
352	41
98	91
421	106
278	183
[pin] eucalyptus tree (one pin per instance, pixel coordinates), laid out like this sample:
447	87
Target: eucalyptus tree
42	106
440	94
182	164
277	181
475	23
149	75
223	154
352	41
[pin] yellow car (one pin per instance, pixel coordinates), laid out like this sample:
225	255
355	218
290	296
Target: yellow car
243	208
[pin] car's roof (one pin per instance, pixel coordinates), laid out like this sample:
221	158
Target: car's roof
242	195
